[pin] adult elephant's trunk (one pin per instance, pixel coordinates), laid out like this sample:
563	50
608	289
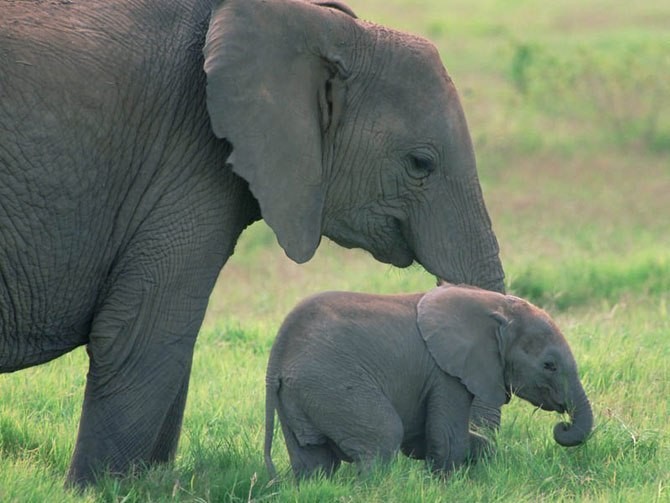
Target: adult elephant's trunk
581	416
450	232
458	244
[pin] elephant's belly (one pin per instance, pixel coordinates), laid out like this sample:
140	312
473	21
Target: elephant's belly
30	351
40	338
38	324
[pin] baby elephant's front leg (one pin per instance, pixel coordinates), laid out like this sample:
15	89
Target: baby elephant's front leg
480	447
448	437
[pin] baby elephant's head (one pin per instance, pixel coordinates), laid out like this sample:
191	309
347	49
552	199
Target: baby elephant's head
497	344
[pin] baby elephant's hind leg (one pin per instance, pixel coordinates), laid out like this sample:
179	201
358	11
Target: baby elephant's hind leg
308	459
374	433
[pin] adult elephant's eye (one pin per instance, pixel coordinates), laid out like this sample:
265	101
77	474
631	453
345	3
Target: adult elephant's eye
420	166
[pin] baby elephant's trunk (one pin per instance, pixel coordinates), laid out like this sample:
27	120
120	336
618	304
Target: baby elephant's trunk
581	419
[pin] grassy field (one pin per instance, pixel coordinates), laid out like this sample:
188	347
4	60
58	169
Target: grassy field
569	109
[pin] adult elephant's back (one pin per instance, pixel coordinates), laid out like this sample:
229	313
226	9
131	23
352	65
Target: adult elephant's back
107	160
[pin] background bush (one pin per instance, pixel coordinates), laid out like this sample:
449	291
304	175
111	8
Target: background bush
616	87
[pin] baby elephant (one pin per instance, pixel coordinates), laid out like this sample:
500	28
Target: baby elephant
355	377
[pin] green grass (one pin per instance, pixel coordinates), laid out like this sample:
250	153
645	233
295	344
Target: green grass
568	108
622	351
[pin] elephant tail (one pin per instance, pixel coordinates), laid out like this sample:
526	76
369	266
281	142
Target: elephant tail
271	402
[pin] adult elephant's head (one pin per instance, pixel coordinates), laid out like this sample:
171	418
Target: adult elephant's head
349	130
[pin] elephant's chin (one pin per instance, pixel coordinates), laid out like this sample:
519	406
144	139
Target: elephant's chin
394	249
399	254
549	407
398	259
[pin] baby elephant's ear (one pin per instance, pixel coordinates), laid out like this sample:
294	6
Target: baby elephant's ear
461	328
334	4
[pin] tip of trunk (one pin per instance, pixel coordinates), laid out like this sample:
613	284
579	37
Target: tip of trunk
570	435
581	419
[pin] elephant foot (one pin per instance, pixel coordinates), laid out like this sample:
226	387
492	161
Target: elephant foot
480	447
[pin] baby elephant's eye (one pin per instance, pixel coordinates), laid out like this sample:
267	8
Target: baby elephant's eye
550	366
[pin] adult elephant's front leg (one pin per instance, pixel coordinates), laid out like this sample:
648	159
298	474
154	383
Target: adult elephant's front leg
138	426
165	445
140	350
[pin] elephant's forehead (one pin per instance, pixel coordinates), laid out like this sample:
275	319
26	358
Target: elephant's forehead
538	330
418	71
417	98
406	61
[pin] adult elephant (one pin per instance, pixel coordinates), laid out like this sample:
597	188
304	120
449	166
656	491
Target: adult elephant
127	174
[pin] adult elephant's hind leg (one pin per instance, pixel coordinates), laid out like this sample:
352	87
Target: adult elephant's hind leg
134	399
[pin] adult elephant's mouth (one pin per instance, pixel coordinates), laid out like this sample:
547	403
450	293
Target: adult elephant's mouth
398	251
395	252
399	259
391	246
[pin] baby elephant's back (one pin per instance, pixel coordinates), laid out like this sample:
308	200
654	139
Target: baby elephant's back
344	329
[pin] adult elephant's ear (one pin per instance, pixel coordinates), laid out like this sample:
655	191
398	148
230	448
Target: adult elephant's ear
464	331
274	90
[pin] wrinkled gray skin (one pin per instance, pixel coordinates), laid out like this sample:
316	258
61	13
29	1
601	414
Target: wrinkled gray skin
138	138
354	377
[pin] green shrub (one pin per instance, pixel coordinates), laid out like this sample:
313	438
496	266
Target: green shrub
600	279
621	88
